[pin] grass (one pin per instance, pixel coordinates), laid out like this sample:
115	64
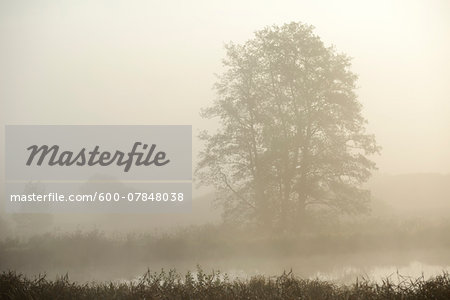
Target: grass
88	255
172	285
64	251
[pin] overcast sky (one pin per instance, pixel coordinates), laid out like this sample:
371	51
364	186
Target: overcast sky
153	62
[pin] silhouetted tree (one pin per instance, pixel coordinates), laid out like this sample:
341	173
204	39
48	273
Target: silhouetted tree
292	135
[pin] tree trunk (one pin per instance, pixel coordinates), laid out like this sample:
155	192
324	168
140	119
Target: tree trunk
261	205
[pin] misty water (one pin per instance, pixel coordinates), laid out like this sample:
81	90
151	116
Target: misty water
346	274
350	274
413	270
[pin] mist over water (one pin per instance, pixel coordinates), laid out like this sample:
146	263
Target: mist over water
387	243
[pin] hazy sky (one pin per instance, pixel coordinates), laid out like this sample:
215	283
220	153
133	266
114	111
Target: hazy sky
152	62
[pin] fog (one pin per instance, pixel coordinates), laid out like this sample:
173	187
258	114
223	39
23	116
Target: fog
66	63
155	62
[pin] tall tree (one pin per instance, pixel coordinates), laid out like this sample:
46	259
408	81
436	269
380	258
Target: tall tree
292	135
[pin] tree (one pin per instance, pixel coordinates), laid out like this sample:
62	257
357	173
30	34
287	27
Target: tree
291	134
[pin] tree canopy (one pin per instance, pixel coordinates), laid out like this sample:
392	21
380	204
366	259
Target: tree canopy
292	136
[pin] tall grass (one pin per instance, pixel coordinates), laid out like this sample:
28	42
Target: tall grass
172	285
